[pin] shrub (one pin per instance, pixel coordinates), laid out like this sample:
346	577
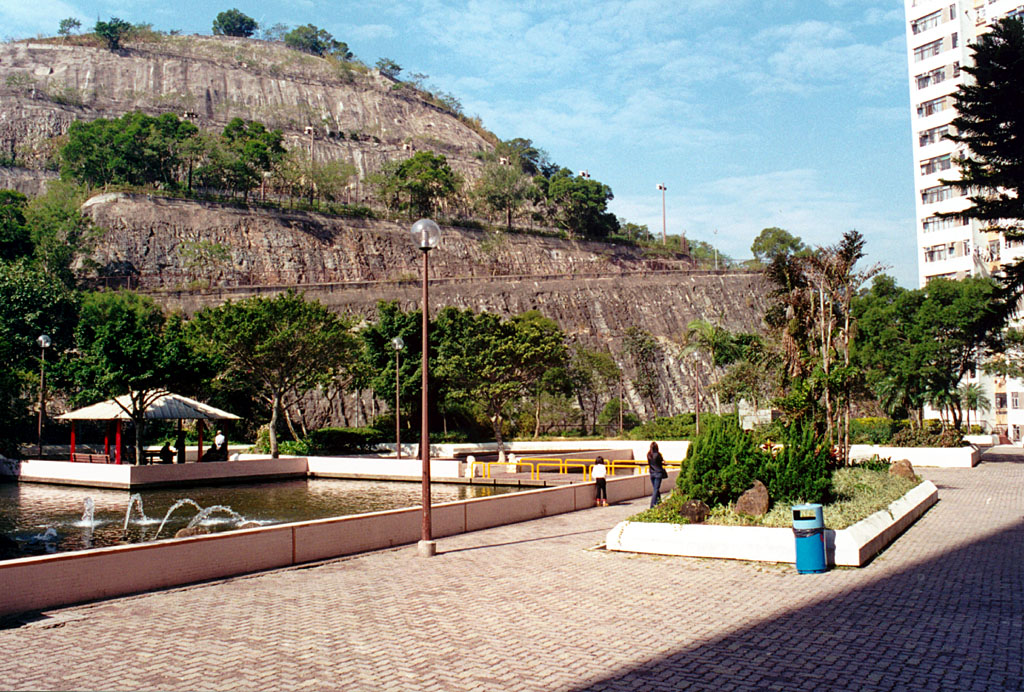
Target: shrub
928	436
721	463
345	440
800	470
874	431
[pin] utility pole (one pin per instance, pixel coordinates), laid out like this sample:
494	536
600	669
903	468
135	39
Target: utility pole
661	186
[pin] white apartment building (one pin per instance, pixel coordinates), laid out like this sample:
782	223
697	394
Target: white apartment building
939	35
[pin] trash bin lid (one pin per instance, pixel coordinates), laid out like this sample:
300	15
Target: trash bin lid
808	516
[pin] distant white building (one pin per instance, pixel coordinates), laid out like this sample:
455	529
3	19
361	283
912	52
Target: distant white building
939	35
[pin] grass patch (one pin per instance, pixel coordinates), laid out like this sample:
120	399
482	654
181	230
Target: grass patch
860	492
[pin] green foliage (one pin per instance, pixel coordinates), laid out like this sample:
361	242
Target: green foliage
326	441
135	149
579	204
874	463
502	188
68	25
642	348
15	240
316	41
417	184
928	436
58	228
801	471
112	32
721	464
593	377
609	418
389	68
776	241
234	23
681	427
874	431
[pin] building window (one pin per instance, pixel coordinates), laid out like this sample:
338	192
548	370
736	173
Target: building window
1016	432
954	40
944	251
1014	399
933	135
928	50
929	21
1001	402
931	107
939	193
936	164
940	223
927	79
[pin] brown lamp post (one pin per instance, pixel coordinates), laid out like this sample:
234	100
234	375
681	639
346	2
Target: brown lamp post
426	234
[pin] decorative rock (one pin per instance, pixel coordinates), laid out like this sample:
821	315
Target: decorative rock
903	469
249	525
754	502
192	531
695	511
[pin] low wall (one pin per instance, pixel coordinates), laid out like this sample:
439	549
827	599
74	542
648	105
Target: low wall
348	467
851	547
941	457
672	450
128	477
35	583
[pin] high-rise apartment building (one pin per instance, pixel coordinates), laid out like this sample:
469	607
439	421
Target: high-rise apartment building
939	35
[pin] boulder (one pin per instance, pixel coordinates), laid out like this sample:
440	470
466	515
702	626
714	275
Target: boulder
903	469
753	502
695	511
192	531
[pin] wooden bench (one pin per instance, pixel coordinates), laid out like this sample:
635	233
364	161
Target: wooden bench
91	458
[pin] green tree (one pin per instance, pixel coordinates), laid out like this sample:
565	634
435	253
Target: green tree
286	345
68	25
233	23
126	345
59	230
776	241
316	41
593	376
379	355
494	363
580	205
642	349
717	344
15	240
243	153
389	68
972	398
417	185
503	188
112	32
989	125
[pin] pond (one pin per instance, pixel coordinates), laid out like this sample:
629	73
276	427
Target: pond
50	518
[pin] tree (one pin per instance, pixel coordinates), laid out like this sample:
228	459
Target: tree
316	41
972	398
126	345
379	355
389	68
246	150
775	241
503	188
286	345
112	32
418	184
989	126
580	205
643	350
234	23
593	376
717	344
68	25
493	363
59	230
15	240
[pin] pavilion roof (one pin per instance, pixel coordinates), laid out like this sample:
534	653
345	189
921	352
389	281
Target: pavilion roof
167	406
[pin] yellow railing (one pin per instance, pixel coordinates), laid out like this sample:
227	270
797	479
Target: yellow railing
563	465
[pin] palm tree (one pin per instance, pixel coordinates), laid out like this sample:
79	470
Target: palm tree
714	341
973	398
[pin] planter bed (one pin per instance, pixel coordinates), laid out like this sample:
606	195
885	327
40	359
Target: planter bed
853	546
941	457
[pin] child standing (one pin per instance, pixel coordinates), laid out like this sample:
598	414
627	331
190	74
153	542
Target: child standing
600	474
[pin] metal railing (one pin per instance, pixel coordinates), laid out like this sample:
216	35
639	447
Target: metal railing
563	465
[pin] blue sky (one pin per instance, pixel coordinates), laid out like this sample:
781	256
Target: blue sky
753	113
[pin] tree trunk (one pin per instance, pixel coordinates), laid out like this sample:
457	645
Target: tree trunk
496	424
275	404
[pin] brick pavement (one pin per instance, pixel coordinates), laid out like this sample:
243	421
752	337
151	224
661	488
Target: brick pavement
534	607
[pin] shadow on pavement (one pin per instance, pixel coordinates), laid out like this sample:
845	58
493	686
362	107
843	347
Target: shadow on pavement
955	623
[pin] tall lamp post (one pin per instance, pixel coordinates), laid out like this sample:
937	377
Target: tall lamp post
426	234
661	186
398	344
44	342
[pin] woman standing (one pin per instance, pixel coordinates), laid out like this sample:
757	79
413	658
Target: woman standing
656	465
599	473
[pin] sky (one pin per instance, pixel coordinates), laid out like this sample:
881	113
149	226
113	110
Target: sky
752	113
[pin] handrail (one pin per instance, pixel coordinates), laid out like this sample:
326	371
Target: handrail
563	464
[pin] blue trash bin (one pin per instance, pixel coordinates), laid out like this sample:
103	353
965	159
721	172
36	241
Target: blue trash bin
809	532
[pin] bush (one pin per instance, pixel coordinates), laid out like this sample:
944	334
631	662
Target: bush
872	431
344	440
721	463
801	470
928	436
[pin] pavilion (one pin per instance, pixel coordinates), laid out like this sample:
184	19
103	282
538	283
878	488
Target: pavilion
166	406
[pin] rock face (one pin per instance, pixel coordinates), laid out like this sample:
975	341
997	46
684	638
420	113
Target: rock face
694	511
903	469
357	115
753	502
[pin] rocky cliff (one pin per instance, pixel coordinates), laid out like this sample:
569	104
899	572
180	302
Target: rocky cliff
339	110
594	291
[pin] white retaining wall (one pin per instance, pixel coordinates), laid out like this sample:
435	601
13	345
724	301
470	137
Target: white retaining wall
942	457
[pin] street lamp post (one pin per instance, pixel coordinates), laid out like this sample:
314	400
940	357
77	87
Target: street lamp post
44	342
426	234
398	344
661	186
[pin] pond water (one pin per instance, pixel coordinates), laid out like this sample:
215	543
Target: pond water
51	518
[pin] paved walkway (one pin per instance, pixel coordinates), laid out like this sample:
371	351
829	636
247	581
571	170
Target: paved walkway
534	607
